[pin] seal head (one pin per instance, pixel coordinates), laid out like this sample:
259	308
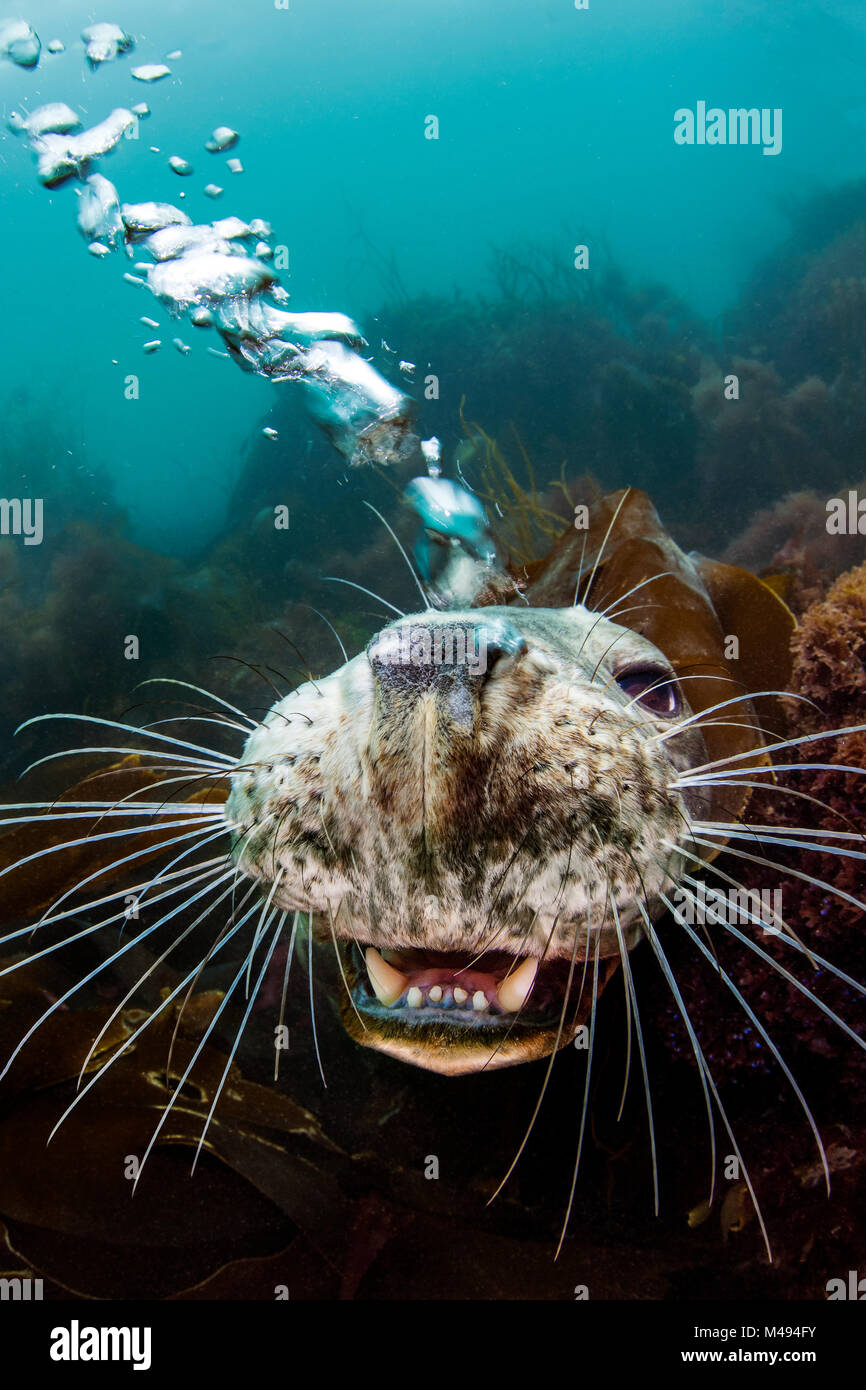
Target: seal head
473	809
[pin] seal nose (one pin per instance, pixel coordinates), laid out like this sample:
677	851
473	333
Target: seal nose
454	660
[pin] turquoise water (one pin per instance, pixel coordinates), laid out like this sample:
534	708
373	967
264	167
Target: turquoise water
555	128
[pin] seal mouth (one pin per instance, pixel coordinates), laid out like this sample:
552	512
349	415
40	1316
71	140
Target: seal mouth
464	988
459	1011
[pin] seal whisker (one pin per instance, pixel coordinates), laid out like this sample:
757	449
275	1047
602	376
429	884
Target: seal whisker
85	810
257	935
281	921
585	1106
200	690
191	764
160	960
73	989
786	870
422	591
784	934
786	829
633	608
200	1047
335	579
329	624
705	1072
632	1008
256	670
693	1041
621	598
708	779
109	835
604	542
290	951
774	747
579	570
340	967
198	836
214	714
206	960
782	930
312	1001
750	1013
101	902
217	719
534	1116
132	1040
755	832
295	648
126	728
814	960
623	956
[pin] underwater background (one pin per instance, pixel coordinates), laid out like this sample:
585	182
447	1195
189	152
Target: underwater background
432	171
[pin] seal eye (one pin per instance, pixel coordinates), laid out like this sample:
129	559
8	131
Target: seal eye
653	687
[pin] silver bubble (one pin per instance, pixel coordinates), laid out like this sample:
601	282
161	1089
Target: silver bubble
151	72
99	211
61	156
103	42
140	219
19	43
223	138
200	278
54	119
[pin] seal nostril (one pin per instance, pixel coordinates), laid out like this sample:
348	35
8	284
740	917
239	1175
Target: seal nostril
412	657
498	639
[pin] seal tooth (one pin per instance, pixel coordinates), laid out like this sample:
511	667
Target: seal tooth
479	1001
435	993
388	983
513	990
460	995
414	998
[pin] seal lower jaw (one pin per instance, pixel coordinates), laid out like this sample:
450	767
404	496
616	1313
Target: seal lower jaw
456	1012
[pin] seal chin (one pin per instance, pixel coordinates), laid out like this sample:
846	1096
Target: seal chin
455	1012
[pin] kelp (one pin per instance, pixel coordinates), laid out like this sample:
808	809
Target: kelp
521	524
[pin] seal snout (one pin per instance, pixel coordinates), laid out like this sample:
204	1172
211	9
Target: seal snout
451	659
